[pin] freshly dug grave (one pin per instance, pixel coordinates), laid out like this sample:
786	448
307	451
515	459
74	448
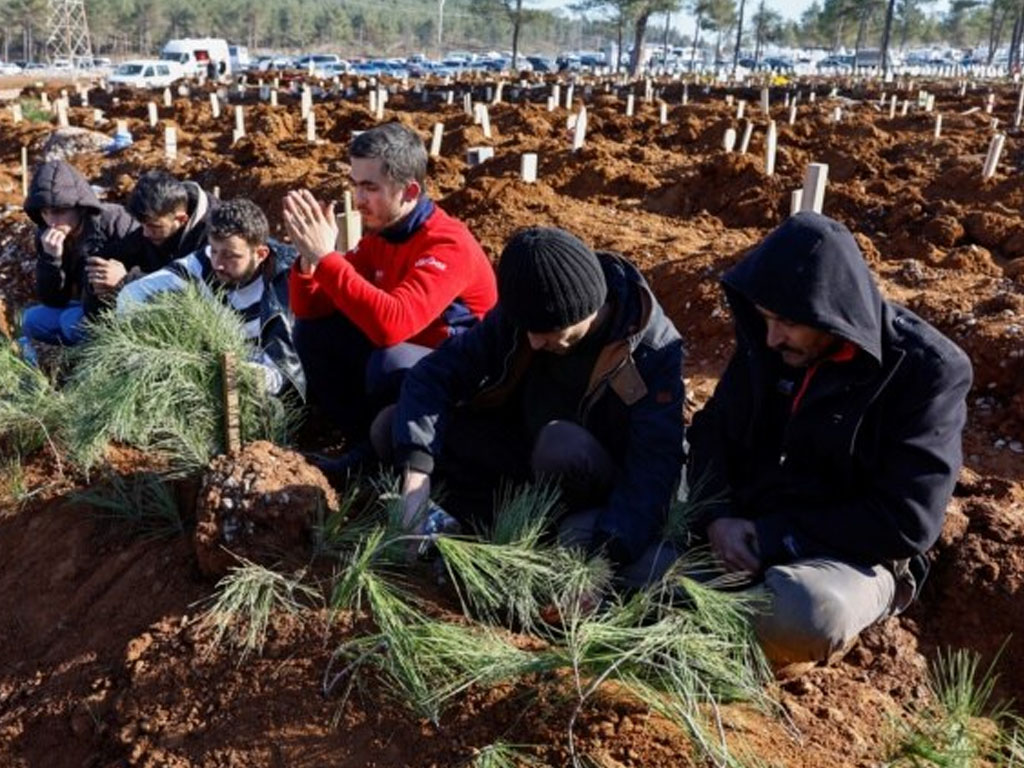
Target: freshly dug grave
101	662
261	505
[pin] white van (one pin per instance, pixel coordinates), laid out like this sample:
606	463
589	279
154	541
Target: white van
240	60
195	55
147	73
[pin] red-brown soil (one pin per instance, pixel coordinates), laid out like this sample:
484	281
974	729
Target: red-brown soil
101	659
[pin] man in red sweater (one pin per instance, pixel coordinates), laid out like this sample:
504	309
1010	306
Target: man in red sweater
416	277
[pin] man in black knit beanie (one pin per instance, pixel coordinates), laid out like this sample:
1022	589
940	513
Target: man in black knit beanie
576	375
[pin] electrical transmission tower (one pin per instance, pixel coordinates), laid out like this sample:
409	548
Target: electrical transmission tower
68	32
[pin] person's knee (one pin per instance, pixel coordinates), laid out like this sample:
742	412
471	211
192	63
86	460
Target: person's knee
380	434
802	619
71	330
563	447
36	322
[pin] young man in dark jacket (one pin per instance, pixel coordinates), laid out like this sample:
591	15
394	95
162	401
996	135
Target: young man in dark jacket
826	456
79	246
576	374
416	277
173	220
242	267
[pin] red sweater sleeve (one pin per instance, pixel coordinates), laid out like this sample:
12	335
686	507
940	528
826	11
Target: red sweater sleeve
391	317
307	299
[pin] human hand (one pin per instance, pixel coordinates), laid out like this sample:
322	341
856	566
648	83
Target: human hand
734	542
105	275
53	242
311	226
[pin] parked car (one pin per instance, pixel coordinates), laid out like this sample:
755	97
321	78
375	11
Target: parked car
147	73
542	64
835	64
334	69
274	63
314	61
9	68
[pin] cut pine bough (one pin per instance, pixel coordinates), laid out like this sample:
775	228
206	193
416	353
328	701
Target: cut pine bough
151	378
32	410
677	641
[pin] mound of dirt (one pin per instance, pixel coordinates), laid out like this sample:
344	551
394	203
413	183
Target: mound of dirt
259	504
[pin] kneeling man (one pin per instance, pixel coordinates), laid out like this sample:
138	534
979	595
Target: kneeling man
828	453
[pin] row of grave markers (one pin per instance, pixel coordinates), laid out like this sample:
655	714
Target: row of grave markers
577	123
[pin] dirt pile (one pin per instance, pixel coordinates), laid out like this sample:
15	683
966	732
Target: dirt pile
261	505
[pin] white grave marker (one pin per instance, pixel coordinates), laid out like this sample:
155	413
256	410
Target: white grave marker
528	167
153	117
815	179
435	140
215	105
770	145
748	131
580	130
995	149
729	140
477	155
171	142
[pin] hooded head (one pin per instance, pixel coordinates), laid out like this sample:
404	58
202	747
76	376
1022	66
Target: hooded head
58	185
810	272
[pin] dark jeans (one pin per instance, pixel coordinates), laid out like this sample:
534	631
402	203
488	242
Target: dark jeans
482	450
347	377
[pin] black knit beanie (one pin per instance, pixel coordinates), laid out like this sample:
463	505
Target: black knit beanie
549	280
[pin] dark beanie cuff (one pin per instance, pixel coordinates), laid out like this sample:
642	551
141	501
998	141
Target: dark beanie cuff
549	279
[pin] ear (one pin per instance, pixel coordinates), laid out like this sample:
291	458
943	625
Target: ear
181	217
262	251
412	191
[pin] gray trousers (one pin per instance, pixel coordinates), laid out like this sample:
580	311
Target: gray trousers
814	609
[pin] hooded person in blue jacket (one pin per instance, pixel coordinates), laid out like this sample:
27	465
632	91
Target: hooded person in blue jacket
826	457
575	375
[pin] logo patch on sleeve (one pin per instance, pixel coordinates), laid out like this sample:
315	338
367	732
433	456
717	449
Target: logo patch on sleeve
431	261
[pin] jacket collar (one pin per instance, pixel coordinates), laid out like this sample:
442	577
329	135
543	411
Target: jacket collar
405	228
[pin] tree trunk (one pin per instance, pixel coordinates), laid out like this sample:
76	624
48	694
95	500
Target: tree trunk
861	31
664	42
639	31
759	33
696	42
739	37
995	33
517	22
890	11
1015	38
619	31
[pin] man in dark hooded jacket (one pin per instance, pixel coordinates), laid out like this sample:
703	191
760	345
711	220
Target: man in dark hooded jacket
826	457
575	375
78	245
173	216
